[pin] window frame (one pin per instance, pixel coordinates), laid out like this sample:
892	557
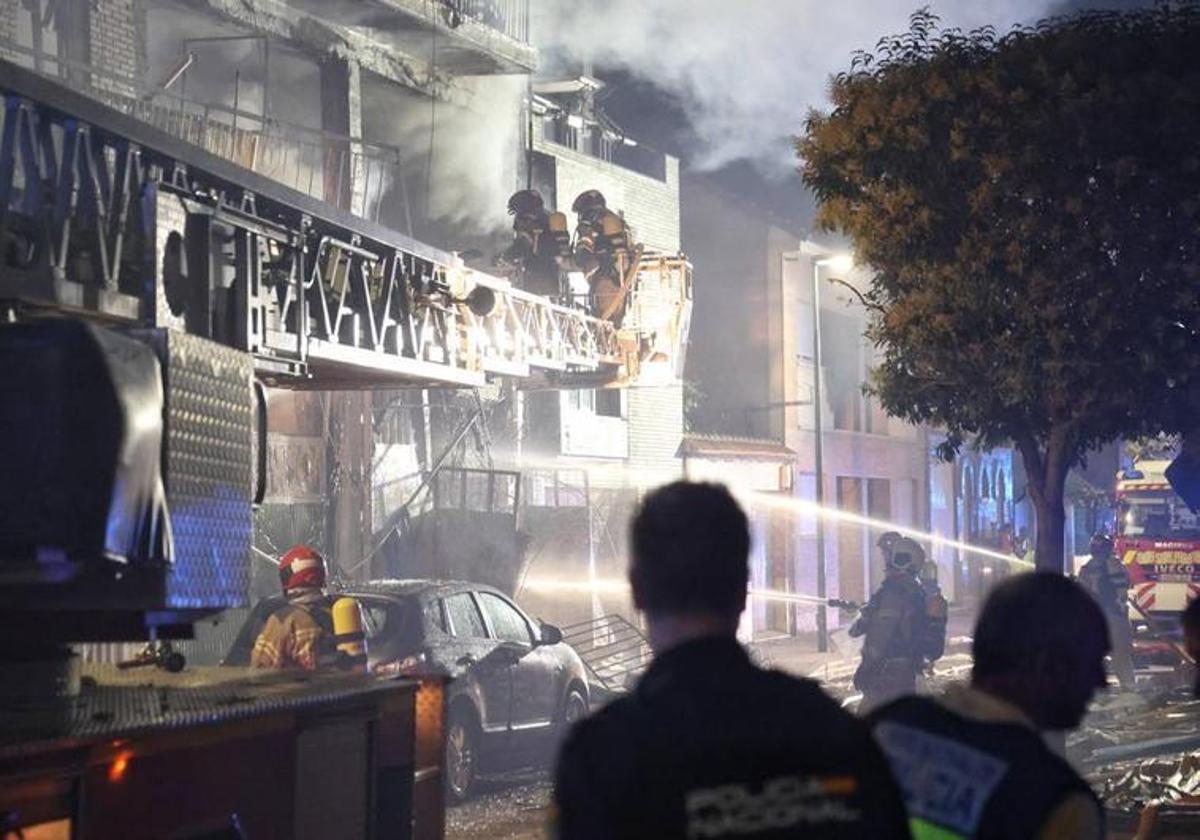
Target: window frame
439	608
452	624
479	597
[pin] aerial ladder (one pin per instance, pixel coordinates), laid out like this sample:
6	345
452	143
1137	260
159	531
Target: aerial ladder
110	218
149	292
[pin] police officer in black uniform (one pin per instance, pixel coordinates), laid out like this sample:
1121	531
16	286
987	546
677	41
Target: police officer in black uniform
708	744
972	761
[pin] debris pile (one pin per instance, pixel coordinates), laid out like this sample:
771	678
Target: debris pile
1138	752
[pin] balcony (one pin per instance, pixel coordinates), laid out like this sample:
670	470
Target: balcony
468	37
345	172
593	141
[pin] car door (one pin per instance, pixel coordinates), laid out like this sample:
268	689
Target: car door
535	671
479	657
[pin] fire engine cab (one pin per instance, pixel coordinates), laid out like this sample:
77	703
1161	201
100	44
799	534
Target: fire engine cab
1158	538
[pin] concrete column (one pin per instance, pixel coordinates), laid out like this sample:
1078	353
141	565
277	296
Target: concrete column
74	21
349	456
9	9
116	45
341	114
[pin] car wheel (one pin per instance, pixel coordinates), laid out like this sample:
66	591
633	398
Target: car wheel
575	708
462	756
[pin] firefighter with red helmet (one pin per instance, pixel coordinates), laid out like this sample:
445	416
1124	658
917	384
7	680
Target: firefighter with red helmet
1105	577
603	245
540	244
300	634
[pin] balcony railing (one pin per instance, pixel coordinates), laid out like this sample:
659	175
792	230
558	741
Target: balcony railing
345	172
593	142
509	17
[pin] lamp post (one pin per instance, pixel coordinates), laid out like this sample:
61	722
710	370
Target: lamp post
845	262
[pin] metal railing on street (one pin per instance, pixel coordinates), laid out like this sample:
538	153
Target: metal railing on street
613	650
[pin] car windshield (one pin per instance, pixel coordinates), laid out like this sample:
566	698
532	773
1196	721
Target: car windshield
1157	516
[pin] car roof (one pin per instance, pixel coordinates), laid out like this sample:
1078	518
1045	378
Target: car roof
396	588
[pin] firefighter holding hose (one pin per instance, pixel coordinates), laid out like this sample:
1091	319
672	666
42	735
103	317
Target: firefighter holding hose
894	626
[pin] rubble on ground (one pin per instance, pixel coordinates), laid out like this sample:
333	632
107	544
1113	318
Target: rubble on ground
1140	749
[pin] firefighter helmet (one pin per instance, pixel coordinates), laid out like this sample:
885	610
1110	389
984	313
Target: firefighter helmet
887	540
906	555
301	567
525	201
1101	545
589	200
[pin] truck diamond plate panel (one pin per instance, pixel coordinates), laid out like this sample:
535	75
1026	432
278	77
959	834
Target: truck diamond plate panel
208	468
195	698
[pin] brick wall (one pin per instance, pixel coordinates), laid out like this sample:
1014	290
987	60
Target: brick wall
649	205
117	43
652	208
8	24
655	430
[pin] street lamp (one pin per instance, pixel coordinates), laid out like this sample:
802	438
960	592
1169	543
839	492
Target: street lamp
841	263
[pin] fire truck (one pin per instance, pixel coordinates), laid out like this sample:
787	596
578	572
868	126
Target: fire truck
150	293
1158	538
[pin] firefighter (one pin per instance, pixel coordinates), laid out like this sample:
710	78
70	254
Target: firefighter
972	762
300	634
937	615
540	244
1105	577
708	743
603	245
893	624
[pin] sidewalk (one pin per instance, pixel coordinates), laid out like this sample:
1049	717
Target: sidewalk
798	655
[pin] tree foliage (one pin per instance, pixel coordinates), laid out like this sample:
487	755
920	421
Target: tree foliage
1029	204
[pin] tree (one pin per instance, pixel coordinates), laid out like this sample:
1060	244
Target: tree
1030	207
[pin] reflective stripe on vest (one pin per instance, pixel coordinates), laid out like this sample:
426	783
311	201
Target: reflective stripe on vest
924	830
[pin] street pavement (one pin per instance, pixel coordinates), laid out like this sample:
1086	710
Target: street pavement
512	806
516	806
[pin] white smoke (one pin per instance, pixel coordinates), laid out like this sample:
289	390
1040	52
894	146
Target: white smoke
746	73
476	150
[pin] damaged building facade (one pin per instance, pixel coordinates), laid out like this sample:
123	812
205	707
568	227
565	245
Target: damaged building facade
370	108
589	454
417	116
424	117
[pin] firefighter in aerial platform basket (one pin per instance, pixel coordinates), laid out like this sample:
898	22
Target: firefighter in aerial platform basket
603	252
311	631
896	626
541	244
1106	579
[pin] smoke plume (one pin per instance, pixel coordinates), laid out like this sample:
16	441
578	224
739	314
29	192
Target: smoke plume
746	72
476	148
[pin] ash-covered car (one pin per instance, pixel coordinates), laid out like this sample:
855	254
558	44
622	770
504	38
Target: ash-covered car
515	686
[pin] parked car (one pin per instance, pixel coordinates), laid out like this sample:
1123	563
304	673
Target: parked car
515	685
